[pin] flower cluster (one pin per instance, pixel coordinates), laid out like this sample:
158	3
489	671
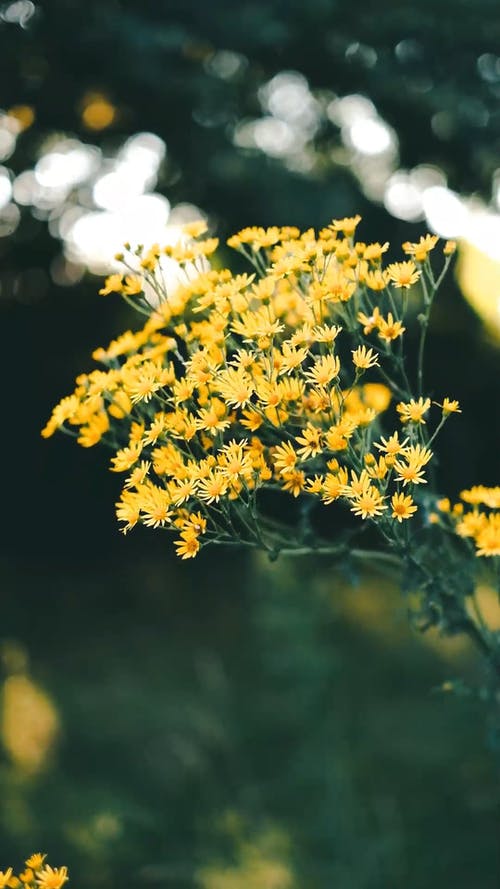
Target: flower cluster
35	875
290	378
481	523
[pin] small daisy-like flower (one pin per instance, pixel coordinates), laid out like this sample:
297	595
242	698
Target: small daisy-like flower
369	322
5	877
284	457
403	507
373	252
450	406
310	442
112	284
413	411
392	446
368	504
488	539
364	358
376	280
52	877
294	481
403	274
35	861
188	546
443	504
347	225
422	249
390	329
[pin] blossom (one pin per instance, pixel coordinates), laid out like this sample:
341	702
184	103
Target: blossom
392	445
363	358
36	860
188	545
293	481
403	274
347	225
422	248
310	441
389	329
450	406
368	503
403	507
373	252
414	410
376	280
284	457
52	877
488	538
369	322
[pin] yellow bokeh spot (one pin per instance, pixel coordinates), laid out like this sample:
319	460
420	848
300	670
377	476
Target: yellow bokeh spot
29	723
478	275
261	863
24	114
98	112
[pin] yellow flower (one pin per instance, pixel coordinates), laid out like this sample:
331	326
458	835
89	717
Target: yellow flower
314	485
376	470
443	504
417	455
376	280
413	411
187	547
368	503
284	457
369	322
364	358
373	252
294	481
132	285
155	505
291	358
112	284
449	248
252	420
310	441
471	524
52	877
128	510
324	370
421	250
347	225
403	507
326	333
26	876
5	877
333	485
195	229
450	407
213	487
235	387
390	329
126	457
392	446
488	538
403	274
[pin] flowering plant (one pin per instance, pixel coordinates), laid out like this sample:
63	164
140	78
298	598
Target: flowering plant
289	381
35	875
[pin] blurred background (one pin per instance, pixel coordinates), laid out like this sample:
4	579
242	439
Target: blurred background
228	724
